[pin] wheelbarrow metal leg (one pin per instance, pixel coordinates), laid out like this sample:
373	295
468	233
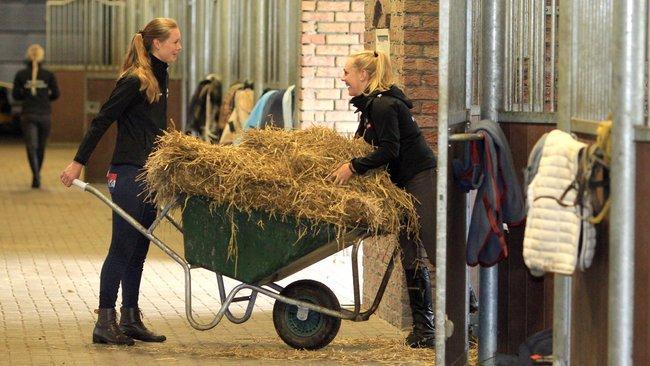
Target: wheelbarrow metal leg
249	308
382	288
164	213
355	277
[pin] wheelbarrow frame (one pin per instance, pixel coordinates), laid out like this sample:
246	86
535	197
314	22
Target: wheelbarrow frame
271	289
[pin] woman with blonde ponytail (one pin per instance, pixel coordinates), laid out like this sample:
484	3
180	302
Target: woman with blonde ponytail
387	124
36	87
139	105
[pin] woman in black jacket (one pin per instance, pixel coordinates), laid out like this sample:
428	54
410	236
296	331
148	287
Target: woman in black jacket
386	123
139	105
36	87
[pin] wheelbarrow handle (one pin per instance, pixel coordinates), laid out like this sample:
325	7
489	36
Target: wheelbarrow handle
80	184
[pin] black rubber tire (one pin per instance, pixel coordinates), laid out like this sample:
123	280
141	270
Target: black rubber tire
315	332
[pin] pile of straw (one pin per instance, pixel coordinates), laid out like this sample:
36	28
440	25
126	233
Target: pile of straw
345	351
284	173
342	350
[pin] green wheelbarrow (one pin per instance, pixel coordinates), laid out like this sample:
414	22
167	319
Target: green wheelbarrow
306	313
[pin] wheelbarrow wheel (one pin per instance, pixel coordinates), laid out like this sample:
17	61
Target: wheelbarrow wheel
303	328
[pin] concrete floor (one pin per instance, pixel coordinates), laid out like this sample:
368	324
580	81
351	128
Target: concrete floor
52	244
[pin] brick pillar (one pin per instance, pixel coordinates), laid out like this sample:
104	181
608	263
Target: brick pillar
413	27
331	30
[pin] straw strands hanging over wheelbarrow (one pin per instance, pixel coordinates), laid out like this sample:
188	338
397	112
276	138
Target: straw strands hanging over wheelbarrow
283	173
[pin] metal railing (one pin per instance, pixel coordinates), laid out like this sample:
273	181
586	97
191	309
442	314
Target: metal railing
254	40
529	51
239	40
88	32
529	62
592	62
95	34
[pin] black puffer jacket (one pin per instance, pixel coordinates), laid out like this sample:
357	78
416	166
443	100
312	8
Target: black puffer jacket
386	122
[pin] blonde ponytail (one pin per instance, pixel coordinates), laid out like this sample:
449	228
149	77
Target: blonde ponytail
137	61
35	54
377	65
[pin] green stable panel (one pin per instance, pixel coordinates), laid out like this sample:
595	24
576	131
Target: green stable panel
268	249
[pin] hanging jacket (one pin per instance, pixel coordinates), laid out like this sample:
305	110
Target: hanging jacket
287	108
204	106
47	90
255	118
139	123
244	100
487	166
553	231
227	105
387	124
272	112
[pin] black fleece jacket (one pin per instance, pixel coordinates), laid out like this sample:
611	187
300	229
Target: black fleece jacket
139	122
46	90
386	123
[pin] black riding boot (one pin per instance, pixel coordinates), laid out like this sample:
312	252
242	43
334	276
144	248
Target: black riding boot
418	283
131	324
106	329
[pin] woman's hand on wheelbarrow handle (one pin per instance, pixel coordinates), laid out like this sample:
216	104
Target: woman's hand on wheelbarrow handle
70	173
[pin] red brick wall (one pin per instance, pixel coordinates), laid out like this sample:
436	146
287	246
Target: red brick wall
331	30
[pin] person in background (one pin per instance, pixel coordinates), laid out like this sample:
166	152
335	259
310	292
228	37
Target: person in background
36	87
386	123
139	105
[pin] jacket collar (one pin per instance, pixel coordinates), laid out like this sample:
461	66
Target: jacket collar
159	67
361	101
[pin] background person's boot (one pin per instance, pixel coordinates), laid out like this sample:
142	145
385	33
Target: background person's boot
418	284
106	329
131	324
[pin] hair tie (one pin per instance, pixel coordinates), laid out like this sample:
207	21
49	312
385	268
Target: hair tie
140	32
376	54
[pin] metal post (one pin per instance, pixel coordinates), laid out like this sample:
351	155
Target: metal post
247	62
260	59
553	35
48	32
491	105
206	36
226	43
562	286
468	56
283	46
192	55
182	18
492	59
628	105
562	303
441	207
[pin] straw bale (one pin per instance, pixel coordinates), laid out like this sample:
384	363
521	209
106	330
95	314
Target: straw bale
284	173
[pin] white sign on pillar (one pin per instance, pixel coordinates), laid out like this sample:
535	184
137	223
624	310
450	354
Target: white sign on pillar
382	40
